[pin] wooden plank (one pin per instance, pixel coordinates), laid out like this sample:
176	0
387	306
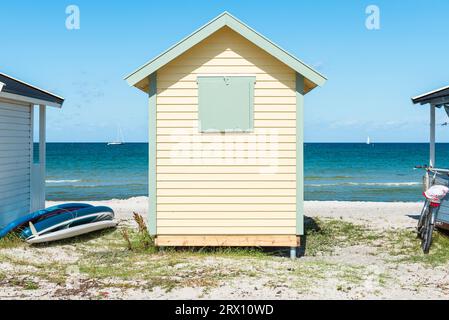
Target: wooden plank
192	84
233	146
227	215
177	123
226	51
238	139
225	169
182	76
257	123
257	115
194	130
232	154
15	127
14	194
264	162
7	161
225	199
193	92
236	61
14	144
226	192
274	116
273	123
14	174
177	115
274	222
16	113
245	230
254	138
273	108
23	183
15	107
14	153
16	201
208	69
228	240
18	120
226	207
15	166
226	177
226	184
14	133
189	100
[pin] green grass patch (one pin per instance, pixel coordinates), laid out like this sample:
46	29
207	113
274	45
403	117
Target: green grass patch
156	270
404	246
30	285
324	235
11	240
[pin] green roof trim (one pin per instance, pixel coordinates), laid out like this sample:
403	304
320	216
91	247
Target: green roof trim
225	19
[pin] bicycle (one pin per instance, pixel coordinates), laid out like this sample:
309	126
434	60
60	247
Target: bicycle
429	212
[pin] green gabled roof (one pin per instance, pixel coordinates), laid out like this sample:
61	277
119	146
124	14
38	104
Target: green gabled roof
225	19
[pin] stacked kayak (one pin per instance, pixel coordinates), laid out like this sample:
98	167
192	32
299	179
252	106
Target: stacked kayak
61	222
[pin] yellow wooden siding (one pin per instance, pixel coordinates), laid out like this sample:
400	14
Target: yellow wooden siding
233	183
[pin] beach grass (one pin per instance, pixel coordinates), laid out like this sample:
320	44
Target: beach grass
11	240
405	247
127	258
325	235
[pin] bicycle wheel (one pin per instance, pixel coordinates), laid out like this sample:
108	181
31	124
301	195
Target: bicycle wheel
427	231
424	212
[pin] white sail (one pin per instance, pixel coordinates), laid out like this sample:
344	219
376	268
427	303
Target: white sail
119	139
368	140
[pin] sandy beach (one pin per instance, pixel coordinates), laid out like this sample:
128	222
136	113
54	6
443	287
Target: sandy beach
353	250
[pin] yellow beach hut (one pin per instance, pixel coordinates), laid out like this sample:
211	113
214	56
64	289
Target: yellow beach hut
226	139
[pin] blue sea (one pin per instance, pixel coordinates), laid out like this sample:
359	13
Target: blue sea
333	171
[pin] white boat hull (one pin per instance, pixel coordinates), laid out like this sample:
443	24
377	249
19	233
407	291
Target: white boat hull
72	232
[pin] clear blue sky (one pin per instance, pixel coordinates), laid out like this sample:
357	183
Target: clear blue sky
372	74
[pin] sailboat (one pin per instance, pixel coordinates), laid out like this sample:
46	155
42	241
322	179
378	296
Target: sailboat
368	140
119	140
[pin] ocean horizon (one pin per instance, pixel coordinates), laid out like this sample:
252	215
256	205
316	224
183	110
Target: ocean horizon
379	172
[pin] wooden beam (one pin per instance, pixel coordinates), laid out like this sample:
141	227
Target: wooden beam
432	136
300	87
152	130
31	154
228	241
42	150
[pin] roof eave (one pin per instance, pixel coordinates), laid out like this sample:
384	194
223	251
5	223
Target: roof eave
421	99
30	100
24	98
225	19
177	49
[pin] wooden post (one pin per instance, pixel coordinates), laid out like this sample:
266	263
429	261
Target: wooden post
152	135
32	173
293	253
432	136
42	151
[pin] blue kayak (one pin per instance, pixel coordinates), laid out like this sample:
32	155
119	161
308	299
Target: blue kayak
69	219
41	214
